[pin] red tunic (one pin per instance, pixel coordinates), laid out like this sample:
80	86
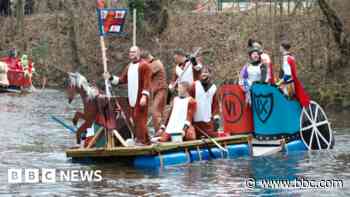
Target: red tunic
158	92
138	112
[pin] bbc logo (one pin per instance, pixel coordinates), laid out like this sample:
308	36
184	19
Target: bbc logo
31	175
46	175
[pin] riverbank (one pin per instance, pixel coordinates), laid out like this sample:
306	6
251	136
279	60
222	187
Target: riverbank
67	40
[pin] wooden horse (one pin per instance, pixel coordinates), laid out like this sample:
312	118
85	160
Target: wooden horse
97	107
78	84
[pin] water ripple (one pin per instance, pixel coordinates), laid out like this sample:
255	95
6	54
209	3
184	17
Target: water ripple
29	139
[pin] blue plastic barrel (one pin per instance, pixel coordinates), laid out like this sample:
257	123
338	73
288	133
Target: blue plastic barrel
177	158
296	145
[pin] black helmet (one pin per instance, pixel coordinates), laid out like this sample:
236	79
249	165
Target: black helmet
254	49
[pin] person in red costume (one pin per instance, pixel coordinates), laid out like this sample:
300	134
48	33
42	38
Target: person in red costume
181	116
158	88
12	61
137	75
289	82
207	116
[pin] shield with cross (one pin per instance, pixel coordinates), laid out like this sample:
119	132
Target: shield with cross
263	105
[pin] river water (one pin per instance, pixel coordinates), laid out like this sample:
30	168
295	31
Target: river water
30	140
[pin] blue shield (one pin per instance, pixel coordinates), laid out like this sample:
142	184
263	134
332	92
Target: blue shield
263	105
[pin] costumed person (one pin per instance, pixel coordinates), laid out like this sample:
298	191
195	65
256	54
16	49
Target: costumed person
265	59
289	82
12	61
253	71
181	116
137	76
207	116
187	69
4	82
158	88
28	70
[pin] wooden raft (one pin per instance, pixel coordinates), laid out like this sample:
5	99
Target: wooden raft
153	149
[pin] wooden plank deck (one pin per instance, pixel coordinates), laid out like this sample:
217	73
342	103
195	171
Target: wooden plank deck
152	149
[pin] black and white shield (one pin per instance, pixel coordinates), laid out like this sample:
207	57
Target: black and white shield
263	105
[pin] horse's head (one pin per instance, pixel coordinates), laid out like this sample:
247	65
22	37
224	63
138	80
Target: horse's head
71	85
77	83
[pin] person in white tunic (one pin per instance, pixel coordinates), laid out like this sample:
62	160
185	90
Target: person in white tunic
187	68
181	116
207	116
137	75
253	71
265	59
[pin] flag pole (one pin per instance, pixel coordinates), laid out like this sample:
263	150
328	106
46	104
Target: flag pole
104	61
134	28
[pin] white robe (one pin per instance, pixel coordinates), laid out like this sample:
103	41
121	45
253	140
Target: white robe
204	102
133	83
286	67
254	74
178	116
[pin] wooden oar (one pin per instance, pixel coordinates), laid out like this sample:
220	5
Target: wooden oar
211	139
65	125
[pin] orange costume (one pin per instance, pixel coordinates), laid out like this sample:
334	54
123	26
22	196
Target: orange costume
180	119
207	112
138	77
158	92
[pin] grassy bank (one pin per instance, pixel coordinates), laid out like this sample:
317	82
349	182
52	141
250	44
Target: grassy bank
67	39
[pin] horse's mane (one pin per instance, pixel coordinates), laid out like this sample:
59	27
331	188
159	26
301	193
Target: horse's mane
79	81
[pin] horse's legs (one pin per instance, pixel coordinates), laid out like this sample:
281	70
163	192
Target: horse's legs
78	115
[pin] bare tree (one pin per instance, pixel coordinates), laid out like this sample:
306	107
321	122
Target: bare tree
341	37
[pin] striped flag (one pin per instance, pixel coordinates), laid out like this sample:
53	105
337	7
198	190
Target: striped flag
111	20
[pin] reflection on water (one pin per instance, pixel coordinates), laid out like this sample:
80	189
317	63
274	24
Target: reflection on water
29	139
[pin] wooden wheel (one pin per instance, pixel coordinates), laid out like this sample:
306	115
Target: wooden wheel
315	129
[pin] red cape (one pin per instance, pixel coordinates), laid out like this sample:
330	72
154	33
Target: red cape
300	92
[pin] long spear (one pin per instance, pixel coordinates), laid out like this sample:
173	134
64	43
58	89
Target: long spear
212	139
134	27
